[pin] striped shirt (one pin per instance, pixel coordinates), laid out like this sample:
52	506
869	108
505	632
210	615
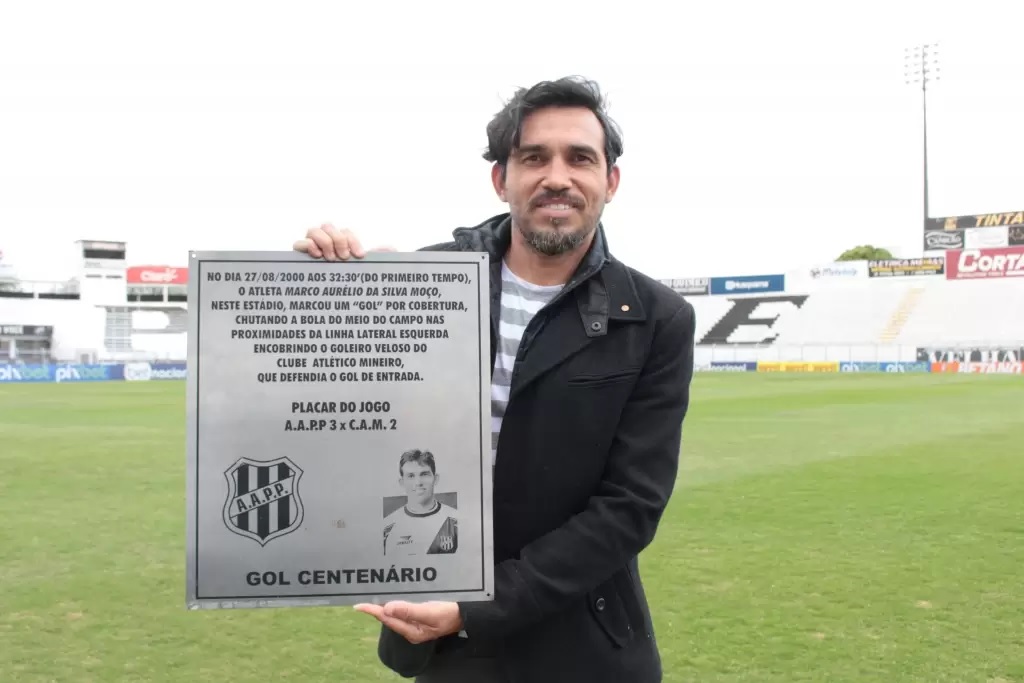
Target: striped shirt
520	301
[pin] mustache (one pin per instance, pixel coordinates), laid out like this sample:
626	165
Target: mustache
560	197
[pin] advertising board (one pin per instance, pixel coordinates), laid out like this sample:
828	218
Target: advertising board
884	366
748	284
156	275
850	270
689	286
941	240
975	221
145	372
730	366
914	267
971	367
64	372
987	354
26	331
976	264
987	238
798	366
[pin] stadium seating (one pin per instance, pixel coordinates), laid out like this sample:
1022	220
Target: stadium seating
966	313
854	315
821	315
869	320
910	312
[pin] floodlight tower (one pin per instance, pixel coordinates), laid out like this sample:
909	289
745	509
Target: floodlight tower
921	65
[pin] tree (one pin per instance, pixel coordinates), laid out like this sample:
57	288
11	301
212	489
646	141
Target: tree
866	252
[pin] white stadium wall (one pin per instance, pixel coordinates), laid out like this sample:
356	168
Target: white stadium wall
77	327
86	333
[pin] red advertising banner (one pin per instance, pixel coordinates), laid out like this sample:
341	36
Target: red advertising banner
157	276
993	368
952	366
973	264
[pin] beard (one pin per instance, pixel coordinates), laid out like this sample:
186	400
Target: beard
552	241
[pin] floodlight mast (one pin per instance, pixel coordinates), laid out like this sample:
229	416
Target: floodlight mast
921	65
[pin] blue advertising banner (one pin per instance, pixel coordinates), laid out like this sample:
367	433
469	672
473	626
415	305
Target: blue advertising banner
748	284
885	366
723	366
860	367
86	373
74	372
906	367
64	372
144	372
10	372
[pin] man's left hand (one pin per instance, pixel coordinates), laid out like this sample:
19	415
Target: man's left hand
417	622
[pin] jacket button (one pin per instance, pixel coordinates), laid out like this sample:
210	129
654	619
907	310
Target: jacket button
599	604
595	326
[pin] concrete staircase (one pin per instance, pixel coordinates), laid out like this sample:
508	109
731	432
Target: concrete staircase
900	315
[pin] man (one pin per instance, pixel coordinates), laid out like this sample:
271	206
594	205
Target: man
592	363
424	525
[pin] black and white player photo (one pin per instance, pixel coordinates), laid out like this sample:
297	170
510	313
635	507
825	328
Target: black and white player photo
420	522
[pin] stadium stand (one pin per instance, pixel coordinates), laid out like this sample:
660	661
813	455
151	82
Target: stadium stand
883	313
77	328
84	333
857	315
904	311
966	313
862	313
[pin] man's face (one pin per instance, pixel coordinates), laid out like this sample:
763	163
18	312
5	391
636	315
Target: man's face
557	181
418	482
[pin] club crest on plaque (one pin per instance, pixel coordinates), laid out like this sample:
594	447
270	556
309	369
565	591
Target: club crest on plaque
263	501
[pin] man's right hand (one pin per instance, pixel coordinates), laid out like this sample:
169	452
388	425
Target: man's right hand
330	243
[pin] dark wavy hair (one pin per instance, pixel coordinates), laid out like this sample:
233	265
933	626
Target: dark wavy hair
505	129
419	457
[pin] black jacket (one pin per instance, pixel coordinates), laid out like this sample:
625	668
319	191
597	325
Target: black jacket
586	462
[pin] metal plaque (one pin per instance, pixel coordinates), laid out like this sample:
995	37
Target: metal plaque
339	431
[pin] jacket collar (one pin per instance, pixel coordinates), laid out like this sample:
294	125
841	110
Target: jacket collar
609	294
494	236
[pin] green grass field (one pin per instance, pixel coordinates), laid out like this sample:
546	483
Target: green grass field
825	528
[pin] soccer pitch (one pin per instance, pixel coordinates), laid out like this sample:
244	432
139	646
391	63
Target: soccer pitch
825	528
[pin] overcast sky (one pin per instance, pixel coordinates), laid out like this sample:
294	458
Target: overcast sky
759	136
